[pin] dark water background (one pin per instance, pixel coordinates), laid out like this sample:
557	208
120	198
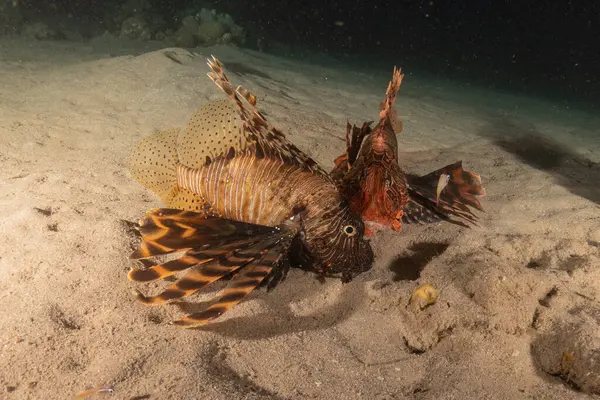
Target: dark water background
541	48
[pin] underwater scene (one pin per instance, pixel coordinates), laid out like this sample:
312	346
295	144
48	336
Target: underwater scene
299	200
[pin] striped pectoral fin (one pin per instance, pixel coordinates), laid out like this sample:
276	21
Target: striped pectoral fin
196	279
241	285
421	209
224	247
167	231
209	265
457	199
149	249
213	263
169	268
189	259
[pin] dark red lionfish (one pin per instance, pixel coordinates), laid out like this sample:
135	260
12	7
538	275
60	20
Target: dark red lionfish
241	198
369	176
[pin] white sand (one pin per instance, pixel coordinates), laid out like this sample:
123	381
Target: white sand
69	113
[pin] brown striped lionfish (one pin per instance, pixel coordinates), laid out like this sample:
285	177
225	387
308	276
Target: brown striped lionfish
242	199
370	178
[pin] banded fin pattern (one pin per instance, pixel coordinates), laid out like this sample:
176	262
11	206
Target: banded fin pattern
268	141
387	111
223	262
244	282
415	213
457	199
354	140
216	247
166	231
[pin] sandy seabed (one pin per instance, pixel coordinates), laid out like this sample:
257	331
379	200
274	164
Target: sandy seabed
518	314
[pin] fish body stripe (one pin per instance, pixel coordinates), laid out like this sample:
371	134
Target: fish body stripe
256	190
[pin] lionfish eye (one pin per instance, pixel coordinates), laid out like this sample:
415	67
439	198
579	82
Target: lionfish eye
349	230
387	183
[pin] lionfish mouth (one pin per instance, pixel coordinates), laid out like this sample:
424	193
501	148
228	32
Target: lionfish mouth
344	265
352	268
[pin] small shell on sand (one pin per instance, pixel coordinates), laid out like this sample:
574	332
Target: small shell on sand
423	297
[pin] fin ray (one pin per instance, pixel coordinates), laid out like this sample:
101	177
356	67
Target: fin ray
216	247
161	271
166	231
457	199
265	139
387	112
197	278
244	282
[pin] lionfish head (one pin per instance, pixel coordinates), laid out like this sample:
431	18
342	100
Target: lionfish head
336	244
382	193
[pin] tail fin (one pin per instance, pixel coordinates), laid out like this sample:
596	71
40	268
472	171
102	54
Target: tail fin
456	199
216	248
153	163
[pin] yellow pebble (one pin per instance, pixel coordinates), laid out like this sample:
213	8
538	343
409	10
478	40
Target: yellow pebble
423	297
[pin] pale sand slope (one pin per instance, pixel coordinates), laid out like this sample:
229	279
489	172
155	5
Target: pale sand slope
68	117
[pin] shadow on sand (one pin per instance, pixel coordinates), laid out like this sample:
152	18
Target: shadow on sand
570	170
281	320
214	362
408	266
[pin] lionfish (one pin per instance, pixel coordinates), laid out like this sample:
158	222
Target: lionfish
370	178
240	199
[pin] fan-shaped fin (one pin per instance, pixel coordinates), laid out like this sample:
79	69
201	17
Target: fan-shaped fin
457	199
249	278
153	163
167	230
266	140
216	247
201	275
213	131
